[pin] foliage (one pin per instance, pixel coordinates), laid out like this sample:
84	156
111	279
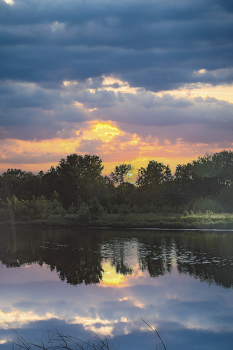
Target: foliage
96	209
120	173
204	205
84	214
154	175
39	207
77	181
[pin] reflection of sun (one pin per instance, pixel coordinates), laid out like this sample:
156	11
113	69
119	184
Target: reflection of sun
110	276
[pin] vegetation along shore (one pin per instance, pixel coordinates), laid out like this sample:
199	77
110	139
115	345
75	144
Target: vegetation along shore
75	193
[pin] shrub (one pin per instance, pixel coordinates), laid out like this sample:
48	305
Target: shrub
207	204
96	209
84	214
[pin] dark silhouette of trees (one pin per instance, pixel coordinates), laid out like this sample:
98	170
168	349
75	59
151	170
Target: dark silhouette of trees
78	179
74	177
154	175
120	172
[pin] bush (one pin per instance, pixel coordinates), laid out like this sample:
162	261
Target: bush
6	214
124	209
37	208
84	214
96	209
207	204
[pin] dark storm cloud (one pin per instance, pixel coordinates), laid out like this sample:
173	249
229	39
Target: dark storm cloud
157	45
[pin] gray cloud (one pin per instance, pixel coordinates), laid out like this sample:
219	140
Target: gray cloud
154	45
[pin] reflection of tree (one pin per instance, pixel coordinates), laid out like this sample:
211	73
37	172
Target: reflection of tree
116	252
76	257
155	254
207	256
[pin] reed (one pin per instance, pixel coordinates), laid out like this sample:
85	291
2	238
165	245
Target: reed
57	340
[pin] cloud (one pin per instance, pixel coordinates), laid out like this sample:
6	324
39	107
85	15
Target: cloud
67	64
152	45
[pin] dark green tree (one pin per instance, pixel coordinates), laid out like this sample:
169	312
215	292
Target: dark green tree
154	175
15	182
76	174
204	177
120	172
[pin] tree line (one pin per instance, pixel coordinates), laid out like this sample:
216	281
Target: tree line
77	184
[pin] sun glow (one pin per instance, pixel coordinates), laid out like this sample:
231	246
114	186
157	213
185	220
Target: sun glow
104	132
110	277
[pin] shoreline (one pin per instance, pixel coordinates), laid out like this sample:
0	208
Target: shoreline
192	225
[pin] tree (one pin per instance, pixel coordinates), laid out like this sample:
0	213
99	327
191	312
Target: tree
154	175
120	172
76	174
205	176
20	183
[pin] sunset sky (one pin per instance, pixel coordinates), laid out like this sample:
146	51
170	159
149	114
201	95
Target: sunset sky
127	80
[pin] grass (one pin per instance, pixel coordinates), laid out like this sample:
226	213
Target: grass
57	340
191	220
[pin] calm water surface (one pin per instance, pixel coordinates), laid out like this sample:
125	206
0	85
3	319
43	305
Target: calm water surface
105	281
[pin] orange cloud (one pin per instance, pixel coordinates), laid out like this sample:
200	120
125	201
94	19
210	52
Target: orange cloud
104	139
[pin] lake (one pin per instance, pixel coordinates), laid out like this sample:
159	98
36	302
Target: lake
107	281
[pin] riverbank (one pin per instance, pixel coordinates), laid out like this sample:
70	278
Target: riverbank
208	220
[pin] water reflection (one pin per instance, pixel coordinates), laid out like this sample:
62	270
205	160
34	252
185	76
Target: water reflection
81	257
76	258
120	277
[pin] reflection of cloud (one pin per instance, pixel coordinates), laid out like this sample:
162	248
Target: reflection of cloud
96	325
10	2
19	318
117	308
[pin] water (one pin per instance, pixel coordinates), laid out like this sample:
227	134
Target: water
107	281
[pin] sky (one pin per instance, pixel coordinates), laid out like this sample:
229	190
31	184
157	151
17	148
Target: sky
129	81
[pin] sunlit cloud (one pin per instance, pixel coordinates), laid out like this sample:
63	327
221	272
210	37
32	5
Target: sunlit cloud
219	92
113	145
110	83
117	122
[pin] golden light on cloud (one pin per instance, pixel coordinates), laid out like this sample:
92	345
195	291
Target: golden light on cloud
105	139
84	108
224	93
114	84
105	131
219	92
